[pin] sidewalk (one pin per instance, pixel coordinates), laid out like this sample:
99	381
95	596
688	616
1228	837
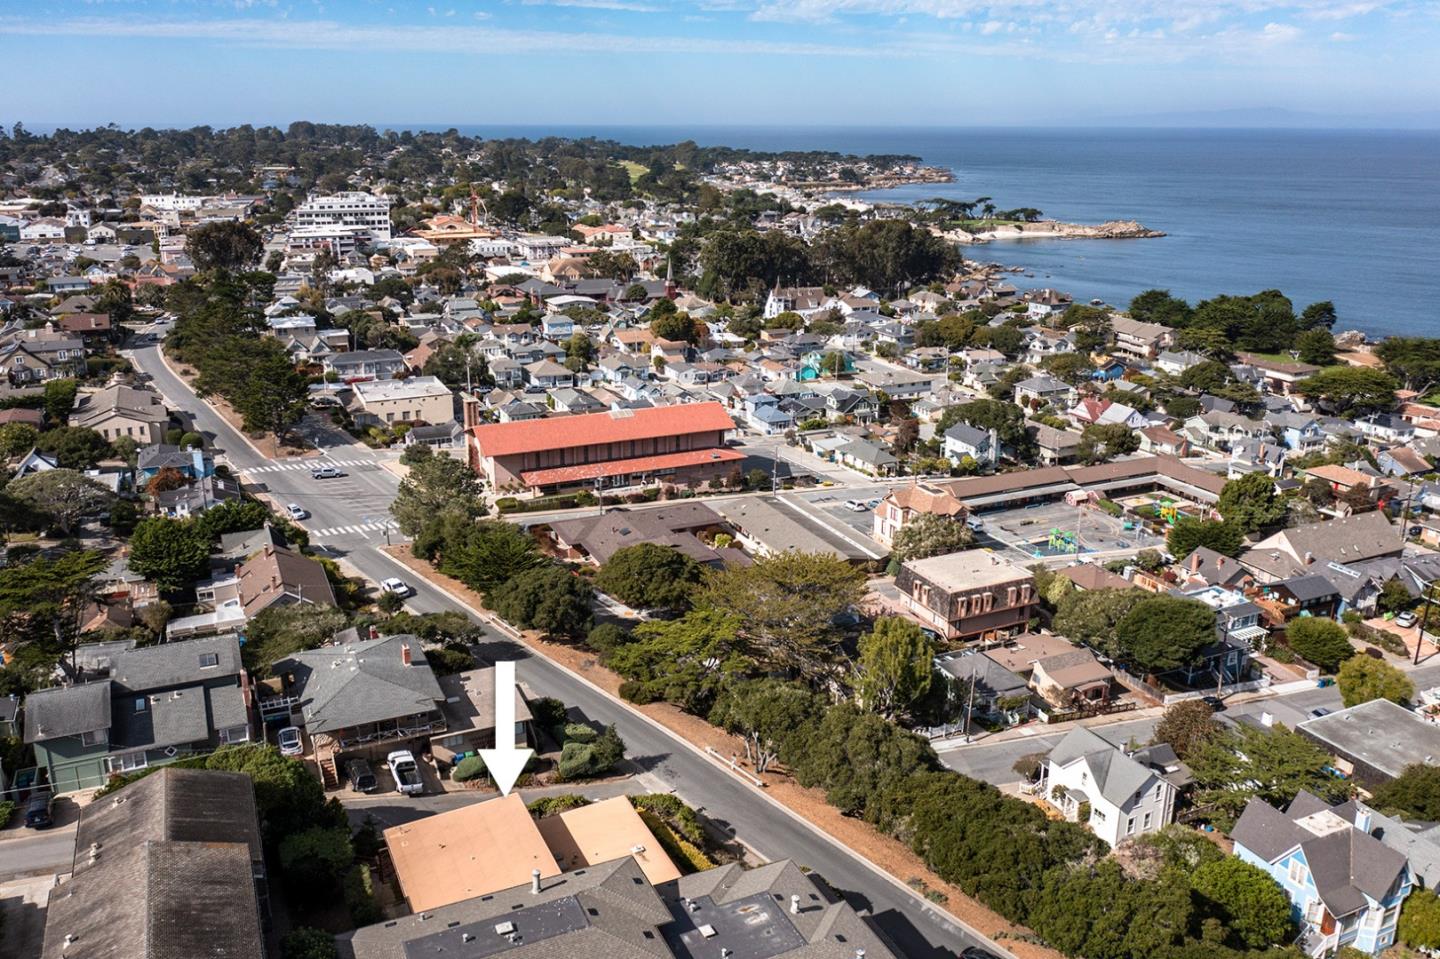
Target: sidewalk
888	856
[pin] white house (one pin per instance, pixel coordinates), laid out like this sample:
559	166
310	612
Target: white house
962	440
1126	794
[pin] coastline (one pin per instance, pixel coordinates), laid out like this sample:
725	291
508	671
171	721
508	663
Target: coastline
1057	230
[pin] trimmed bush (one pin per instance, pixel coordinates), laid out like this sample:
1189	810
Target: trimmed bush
554	805
467	769
686	856
579	733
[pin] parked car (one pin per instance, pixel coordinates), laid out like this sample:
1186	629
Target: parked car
872	504
1406	619
406	772
361	776
326	472
973	524
296	511
39	810
290	741
975	952
855	505
1319	711
1214	702
397	586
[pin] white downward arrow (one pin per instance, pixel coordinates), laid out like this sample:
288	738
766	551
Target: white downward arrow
505	762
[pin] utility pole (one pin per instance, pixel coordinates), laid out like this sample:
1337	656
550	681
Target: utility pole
1424	618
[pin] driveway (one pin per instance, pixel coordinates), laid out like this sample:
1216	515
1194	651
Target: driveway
22	915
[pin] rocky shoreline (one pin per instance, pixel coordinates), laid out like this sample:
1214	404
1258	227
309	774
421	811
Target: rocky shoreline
1056	230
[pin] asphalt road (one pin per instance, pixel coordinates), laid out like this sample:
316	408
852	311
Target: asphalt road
36	852
917	930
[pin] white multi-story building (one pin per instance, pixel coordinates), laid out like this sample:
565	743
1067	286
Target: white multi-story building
1118	794
352	209
173	202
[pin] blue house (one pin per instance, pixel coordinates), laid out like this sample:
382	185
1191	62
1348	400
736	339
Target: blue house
1109	372
1345	886
193	464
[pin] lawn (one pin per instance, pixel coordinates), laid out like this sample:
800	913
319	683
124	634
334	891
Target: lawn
636	170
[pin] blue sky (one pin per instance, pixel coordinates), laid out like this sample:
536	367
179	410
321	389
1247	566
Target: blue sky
707	62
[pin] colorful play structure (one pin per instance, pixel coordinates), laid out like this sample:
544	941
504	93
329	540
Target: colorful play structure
1063	541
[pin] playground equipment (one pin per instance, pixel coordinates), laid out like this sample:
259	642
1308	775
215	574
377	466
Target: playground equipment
1063	541
1169	511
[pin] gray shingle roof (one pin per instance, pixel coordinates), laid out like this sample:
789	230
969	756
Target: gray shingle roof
365	682
1116	775
66	711
173	664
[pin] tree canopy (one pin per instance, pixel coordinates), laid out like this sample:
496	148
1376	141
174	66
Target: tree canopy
1272	763
647	576
1162	633
1251	502
1362	678
1323	642
895	666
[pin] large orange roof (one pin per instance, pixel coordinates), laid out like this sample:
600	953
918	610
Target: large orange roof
588	429
603	831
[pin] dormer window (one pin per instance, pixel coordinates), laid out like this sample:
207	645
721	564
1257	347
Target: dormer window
209	660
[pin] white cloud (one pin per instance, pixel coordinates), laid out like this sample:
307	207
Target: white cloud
624	6
1339	37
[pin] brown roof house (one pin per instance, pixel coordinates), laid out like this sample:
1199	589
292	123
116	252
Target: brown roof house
968	595
273	576
903	503
167	867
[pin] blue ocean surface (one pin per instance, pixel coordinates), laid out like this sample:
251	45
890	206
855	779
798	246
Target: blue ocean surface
1343	215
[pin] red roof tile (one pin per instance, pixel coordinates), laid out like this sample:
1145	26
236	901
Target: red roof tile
588	429
638	464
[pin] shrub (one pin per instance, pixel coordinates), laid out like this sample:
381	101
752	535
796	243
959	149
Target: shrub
553	805
579	733
7	809
467	769
449	659
308	943
681	817
687	856
606	637
549	713
359	889
1321	641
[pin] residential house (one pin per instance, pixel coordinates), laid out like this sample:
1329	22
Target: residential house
678	526
1255	456
1299	432
903	504
38	356
1375	741
999	695
548	375
207	492
1036	391
274	576
1163	440
1278	377
416	399
1119	794
968	595
1402	461
170	865
193	464
156	704
866	457
361	365
117	411
1176	362
1317	547
1386	428
1139	339
1345	885
965	441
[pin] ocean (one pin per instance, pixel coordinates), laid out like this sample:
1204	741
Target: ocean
1341	215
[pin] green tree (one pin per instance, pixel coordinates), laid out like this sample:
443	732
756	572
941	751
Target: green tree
1415	793
171	553
1002	416
1158	306
59	399
1316	347
64	495
1251	503
895	667
224	245
435	487
1250	904
1187	726
647	576
685	661
1415	360
233	516
281	631
16	439
75	447
786	605
1350	390
856	756
1362	678
1189	534
766	713
1273	764
549	599
930	534
1323	642
1100	442
314	860
1420	920
675	326
45	600
1090	617
483	555
1072	368
1162	633
308	943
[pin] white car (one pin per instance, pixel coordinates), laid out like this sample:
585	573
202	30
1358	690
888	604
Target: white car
856	506
290	741
296	511
397	586
974	524
1406	619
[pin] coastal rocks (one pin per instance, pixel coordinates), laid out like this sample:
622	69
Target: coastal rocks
1349	340
1054	229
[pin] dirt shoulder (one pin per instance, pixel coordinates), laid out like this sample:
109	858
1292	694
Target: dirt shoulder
889	855
269	446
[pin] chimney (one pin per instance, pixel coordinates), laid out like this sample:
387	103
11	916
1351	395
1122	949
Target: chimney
374	633
1310	557
534	873
405	658
1362	818
1220	561
1195	563
794	905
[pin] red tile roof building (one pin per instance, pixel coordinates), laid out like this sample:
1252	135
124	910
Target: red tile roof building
616	448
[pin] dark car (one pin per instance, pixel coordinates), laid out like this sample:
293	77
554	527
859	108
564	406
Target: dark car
975	952
1214	702
38	811
361	776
